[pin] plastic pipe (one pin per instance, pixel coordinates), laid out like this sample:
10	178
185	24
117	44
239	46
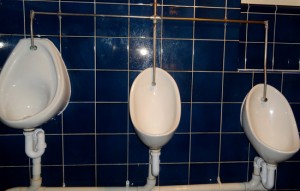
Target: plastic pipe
155	161
35	143
35	147
267	173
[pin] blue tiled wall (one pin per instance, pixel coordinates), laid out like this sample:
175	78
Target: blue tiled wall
93	142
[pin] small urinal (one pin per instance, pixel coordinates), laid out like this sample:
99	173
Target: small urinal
270	125
155	109
34	85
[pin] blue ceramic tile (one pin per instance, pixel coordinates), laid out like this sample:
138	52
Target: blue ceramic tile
288	176
110	175
138	152
81	0
236	86
8	43
112	27
74	25
141	28
262	8
137	174
177	54
288	10
178	29
274	80
82	85
112	86
48	179
234	147
112	53
231	118
112	117
207	87
234	3
79	118
53	153
77	146
296	111
255	55
211	3
14	11
53	126
111	149
287	56
287	28
139	10
179	2
113	1
203	173
169	152
140	54
290	88
205	148
78	53
5	130
71	7
173	174
14	177
233	172
206	117
184	124
233	29
213	59
79	176
183	80
232	56
112	9
42	23
18	156
256	32
209	30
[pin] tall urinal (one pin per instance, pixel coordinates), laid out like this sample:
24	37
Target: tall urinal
34	85
155	109
271	128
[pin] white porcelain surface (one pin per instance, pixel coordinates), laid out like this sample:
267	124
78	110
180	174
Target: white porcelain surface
270	126
34	85
155	110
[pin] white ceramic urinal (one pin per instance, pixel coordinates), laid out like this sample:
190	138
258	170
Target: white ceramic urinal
34	85
155	110
270	126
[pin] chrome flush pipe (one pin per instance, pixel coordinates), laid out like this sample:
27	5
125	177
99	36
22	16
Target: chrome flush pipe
264	98
154	41
32	46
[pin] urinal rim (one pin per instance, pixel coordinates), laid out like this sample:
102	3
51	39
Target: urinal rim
178	104
61	87
260	141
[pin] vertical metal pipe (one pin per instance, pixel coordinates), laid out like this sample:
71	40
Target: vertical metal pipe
32	47
154	41
264	98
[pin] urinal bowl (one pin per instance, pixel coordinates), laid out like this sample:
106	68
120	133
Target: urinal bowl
34	85
155	110
270	126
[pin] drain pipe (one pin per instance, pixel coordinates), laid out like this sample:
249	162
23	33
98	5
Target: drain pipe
267	172
35	147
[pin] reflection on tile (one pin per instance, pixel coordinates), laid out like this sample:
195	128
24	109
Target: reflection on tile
73	55
112	53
